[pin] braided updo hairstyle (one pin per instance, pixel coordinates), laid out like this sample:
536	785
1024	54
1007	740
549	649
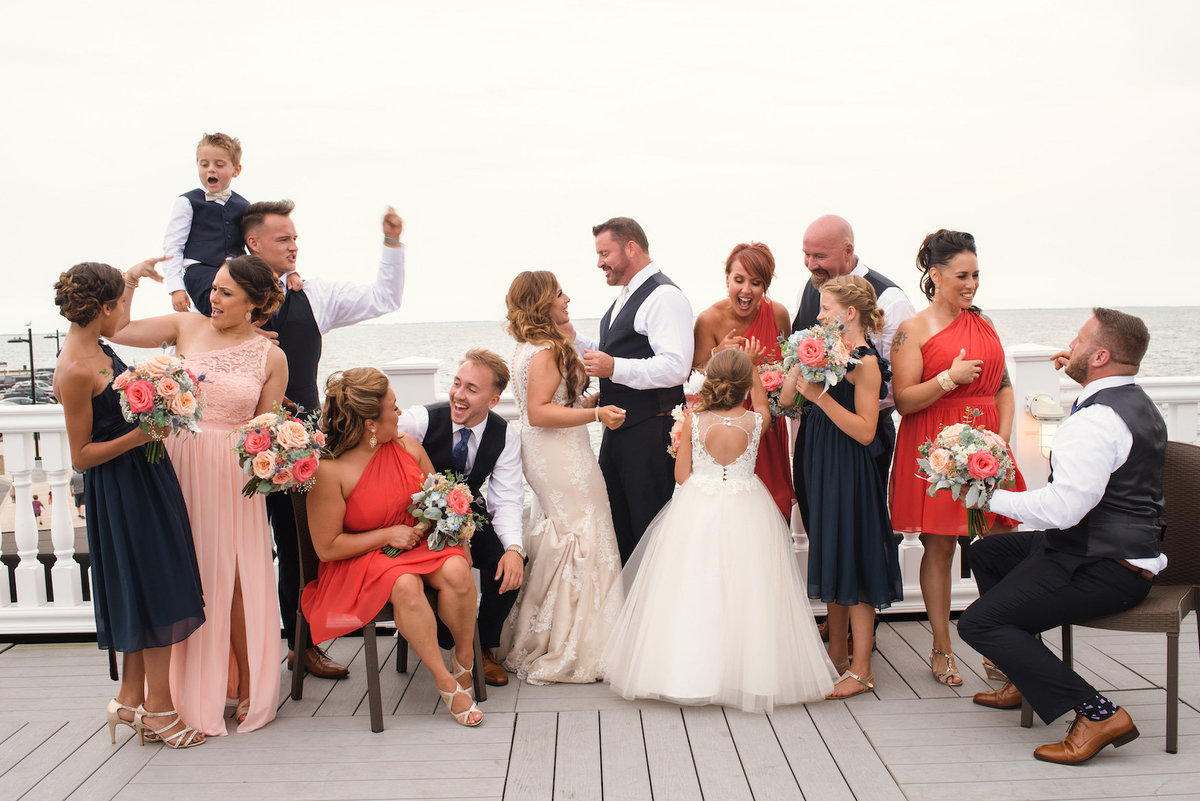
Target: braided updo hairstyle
528	300
937	250
352	397
728	379
82	291
856	292
259	283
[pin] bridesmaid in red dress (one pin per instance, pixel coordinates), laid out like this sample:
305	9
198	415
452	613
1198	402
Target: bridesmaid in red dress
748	312
945	360
357	506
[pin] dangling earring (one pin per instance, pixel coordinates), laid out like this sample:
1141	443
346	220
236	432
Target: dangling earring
249	316
373	442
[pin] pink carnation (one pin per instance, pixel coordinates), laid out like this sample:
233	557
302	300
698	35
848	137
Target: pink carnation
140	394
811	352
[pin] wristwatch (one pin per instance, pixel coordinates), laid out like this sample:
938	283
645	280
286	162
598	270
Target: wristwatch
520	551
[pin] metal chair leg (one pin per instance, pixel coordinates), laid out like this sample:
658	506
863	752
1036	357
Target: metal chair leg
1172	693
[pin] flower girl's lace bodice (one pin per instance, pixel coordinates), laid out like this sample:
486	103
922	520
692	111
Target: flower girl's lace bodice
738	475
233	381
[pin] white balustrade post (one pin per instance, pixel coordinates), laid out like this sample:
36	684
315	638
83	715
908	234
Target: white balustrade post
65	574
1032	373
414	380
30	578
5	585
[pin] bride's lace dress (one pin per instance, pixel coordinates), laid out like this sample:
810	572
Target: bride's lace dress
716	611
572	589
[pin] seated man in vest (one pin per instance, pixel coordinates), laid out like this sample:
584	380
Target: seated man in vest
465	436
1099	551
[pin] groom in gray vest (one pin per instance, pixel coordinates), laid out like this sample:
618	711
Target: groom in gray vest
1099	551
642	359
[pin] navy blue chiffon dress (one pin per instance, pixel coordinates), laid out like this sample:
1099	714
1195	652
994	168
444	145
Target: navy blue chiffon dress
852	553
145	582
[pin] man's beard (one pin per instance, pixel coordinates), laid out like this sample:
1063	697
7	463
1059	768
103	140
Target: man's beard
1076	368
818	278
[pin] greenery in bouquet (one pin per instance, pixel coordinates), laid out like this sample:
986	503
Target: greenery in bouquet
443	508
278	451
160	395
680	413
772	376
820	351
971	462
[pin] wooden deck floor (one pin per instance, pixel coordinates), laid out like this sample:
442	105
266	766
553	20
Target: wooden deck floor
911	739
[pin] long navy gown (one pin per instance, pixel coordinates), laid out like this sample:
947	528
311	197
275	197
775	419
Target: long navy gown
145	582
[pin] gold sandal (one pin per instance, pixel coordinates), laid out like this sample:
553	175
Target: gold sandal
187	737
950	676
867	682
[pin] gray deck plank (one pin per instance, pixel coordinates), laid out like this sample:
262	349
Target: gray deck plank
43	760
577	775
25	740
330	790
625	774
669	755
814	767
718	766
920	638
531	763
118	770
912	666
75	768
766	766
866	775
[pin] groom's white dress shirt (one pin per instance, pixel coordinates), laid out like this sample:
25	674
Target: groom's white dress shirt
337	304
1088	448
664	318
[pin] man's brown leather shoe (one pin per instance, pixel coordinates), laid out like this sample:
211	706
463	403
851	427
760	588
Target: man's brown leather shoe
1007	697
1086	737
493	672
318	663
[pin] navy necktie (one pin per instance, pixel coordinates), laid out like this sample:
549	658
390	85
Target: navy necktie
459	454
1074	407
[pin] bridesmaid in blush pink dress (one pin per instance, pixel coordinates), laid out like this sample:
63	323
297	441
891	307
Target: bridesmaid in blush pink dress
237	650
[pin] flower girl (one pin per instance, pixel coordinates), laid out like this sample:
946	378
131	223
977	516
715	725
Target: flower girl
715	611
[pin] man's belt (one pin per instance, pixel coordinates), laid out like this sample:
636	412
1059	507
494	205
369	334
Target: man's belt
1141	571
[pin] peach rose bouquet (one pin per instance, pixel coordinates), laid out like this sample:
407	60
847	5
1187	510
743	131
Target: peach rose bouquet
278	451
971	462
443	507
772	376
162	397
680	413
820	351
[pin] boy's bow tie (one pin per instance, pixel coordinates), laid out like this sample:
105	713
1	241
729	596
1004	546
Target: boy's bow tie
222	196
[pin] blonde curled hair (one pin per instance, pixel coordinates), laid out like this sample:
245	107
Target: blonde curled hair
529	299
352	397
856	292
727	381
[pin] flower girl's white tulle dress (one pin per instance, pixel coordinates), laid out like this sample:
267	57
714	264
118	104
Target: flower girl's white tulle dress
715	611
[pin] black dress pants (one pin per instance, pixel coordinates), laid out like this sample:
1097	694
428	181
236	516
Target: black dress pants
640	476
494	607
283	527
1026	588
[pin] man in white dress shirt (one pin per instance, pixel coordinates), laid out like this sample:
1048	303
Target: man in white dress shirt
642	358
466	436
300	322
1099	551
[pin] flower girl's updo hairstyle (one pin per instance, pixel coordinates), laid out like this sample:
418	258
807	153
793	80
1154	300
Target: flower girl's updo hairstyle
82	291
529	299
936	252
352	397
259	283
856	292
727	381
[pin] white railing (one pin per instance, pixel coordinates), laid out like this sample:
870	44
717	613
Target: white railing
415	381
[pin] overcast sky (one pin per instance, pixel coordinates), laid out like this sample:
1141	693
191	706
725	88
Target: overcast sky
1063	135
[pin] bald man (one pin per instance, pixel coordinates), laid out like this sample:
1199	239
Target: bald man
829	253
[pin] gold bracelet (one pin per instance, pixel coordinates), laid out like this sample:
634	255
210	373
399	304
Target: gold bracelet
947	383
132	283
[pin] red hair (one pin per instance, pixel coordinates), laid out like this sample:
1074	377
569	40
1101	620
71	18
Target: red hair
756	260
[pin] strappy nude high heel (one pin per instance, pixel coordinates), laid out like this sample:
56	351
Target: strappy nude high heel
463	718
950	676
184	738
457	670
113	715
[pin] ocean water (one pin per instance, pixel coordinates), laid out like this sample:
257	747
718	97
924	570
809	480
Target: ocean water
1173	331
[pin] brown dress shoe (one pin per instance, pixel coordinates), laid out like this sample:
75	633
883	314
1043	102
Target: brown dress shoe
318	663
1086	737
1007	697
493	672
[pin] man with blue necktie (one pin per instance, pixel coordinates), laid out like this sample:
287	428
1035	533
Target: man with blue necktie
1099	550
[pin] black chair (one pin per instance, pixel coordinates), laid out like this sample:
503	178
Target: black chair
308	572
1176	590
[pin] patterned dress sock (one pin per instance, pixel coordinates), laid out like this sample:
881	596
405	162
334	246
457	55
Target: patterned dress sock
1097	708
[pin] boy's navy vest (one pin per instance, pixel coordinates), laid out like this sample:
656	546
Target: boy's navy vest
439	444
619	340
216	229
300	339
1126	523
810	300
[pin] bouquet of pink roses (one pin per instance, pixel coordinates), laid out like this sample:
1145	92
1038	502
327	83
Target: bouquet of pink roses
772	375
278	452
820	351
964	455
443	508
679	413
160	393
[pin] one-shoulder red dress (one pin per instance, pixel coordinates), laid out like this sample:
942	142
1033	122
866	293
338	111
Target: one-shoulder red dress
349	593
913	511
774	465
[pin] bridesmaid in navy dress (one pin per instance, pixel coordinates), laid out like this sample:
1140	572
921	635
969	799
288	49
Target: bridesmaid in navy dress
145	582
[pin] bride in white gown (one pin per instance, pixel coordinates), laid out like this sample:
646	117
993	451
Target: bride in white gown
572	590
717	612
